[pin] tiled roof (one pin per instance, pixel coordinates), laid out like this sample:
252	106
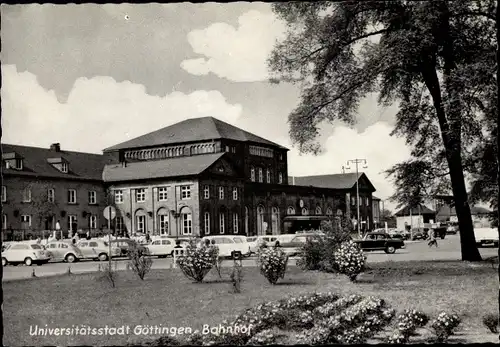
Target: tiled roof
192	130
173	167
446	211
334	181
422	209
85	166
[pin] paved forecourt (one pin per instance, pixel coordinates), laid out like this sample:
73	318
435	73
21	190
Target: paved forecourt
448	249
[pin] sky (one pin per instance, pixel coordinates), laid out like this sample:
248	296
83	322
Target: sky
91	76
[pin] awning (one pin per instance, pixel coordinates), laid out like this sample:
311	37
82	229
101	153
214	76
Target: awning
292	218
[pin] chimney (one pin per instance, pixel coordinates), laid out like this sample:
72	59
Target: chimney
56	147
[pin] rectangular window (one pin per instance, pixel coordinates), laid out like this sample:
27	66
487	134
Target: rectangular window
163	224
162	194
26	220
140	195
367	201
353	200
187	224
119	224
4	193
19	164
140	223
72	226
261	177
64	167
360	201
235	223
221	223
51	195
206	192
118	196
185	192
93	222
235	193
27	195
227	148
268	174
280	178
221	193
252	174
71	196
206	219
4	222
92	197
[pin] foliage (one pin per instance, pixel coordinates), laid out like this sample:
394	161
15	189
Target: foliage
433	58
272	263
237	276
198	260
444	325
350	259
407	324
139	260
491	322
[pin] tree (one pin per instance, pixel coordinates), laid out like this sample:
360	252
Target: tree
434	58
43	207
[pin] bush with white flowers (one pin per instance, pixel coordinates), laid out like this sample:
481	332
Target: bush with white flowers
350	259
444	325
407	324
198	260
272	263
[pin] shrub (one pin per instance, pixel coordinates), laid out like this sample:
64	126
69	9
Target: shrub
139	260
350	259
407	324
272	263
198	260
444	325
491	322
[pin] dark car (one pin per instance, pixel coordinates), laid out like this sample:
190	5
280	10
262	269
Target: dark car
419	234
125	245
380	242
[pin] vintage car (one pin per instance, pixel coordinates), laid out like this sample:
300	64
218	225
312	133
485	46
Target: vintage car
380	242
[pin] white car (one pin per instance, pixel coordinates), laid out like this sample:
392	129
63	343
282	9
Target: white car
20	252
161	247
229	245
486	236
64	251
256	241
97	249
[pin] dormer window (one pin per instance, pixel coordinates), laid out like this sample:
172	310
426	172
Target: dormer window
19	164
64	167
12	160
59	163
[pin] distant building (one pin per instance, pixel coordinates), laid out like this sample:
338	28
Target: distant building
480	215
414	217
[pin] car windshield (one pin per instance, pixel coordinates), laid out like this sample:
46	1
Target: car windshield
105	243
4	247
36	246
237	240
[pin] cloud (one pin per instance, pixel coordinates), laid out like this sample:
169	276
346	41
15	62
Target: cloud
238	54
99	112
374	144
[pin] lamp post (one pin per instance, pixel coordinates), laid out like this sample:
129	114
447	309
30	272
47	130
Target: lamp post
356	162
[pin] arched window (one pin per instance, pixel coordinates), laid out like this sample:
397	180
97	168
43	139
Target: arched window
140	221
290	210
318	210
186	221
246	221
252	174
329	211
305	211
268	175
169	152
260	220
275	220
222	221
261	177
162	218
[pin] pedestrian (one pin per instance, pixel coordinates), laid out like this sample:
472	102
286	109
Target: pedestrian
88	235
277	244
432	239
75	238
148	238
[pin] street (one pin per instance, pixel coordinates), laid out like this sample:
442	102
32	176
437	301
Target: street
448	249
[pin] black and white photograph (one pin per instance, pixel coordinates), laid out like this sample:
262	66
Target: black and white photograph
250	173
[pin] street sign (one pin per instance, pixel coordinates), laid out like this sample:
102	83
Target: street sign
109	210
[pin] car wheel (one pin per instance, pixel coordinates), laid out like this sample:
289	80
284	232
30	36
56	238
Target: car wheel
103	257
236	255
28	261
442	237
70	258
4	261
390	250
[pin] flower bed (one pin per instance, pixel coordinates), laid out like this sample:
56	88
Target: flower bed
198	260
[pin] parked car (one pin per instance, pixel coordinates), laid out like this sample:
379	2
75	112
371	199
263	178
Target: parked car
229	245
452	228
292	243
20	252
486	236
125	245
380	242
162	247
65	251
97	249
419	234
255	241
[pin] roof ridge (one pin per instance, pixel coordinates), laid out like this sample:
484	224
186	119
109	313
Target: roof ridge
49	150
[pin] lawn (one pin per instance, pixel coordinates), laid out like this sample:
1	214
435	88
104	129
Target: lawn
169	299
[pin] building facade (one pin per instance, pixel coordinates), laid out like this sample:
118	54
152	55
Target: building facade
198	177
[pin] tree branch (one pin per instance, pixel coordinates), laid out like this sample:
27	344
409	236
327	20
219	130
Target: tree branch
475	14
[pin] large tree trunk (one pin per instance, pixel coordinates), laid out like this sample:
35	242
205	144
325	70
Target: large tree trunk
452	146
498	146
